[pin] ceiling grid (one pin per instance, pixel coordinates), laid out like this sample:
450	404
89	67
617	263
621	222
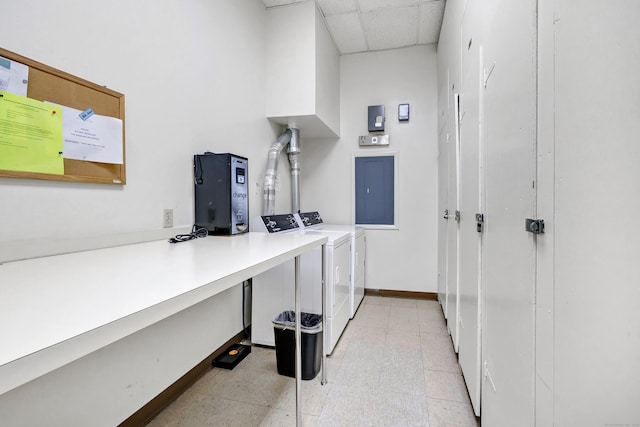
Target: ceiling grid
370	25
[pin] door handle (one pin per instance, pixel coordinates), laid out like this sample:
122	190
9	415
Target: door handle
479	222
535	226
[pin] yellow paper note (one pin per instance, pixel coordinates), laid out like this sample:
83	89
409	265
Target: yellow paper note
30	135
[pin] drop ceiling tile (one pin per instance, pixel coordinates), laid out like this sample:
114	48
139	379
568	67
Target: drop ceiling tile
331	7
391	28
388	23
381	4
347	32
431	14
271	3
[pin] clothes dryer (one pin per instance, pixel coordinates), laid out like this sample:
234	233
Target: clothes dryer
313	221
337	261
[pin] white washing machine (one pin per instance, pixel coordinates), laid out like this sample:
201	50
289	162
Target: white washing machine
313	221
273	291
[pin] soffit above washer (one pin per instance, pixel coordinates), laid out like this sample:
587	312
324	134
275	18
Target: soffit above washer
369	25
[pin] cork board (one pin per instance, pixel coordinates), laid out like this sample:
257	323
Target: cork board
49	84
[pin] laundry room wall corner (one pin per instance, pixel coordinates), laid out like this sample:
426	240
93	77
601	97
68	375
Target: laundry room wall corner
397	259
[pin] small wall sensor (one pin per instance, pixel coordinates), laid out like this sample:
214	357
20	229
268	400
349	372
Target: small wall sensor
403	112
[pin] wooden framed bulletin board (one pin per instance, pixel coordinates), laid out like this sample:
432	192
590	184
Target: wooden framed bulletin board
49	84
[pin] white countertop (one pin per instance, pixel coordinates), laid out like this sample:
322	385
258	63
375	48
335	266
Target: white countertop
56	309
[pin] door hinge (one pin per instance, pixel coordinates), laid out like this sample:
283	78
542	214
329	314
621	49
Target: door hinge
487	376
487	74
446	214
479	222
535	226
457	216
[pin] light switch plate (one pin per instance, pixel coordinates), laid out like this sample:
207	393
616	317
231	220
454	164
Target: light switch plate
403	112
381	140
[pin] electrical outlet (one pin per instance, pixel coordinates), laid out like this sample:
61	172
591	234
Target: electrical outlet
167	218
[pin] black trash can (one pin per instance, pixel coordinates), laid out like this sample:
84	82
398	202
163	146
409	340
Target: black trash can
284	329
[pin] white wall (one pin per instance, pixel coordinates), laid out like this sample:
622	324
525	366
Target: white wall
193	78
403	259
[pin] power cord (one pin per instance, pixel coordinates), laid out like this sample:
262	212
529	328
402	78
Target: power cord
196	232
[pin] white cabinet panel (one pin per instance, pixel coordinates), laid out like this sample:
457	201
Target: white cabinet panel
302	71
508	297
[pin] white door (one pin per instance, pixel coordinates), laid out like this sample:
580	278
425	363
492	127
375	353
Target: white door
596	199
453	228
443	222
470	205
508	293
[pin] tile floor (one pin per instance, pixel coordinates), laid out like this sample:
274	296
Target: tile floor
393	366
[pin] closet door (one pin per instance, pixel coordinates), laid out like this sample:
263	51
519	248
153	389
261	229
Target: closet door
443	222
596	314
471	228
509	252
453	228
448	89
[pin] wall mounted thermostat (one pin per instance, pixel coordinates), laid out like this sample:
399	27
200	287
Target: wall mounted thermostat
403	112
376	118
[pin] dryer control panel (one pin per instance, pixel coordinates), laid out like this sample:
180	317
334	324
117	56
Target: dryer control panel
277	223
307	219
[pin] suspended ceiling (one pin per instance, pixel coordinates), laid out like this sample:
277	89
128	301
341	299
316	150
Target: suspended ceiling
368	25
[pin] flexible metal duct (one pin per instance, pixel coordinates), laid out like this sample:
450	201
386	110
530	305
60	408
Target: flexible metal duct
294	164
269	187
